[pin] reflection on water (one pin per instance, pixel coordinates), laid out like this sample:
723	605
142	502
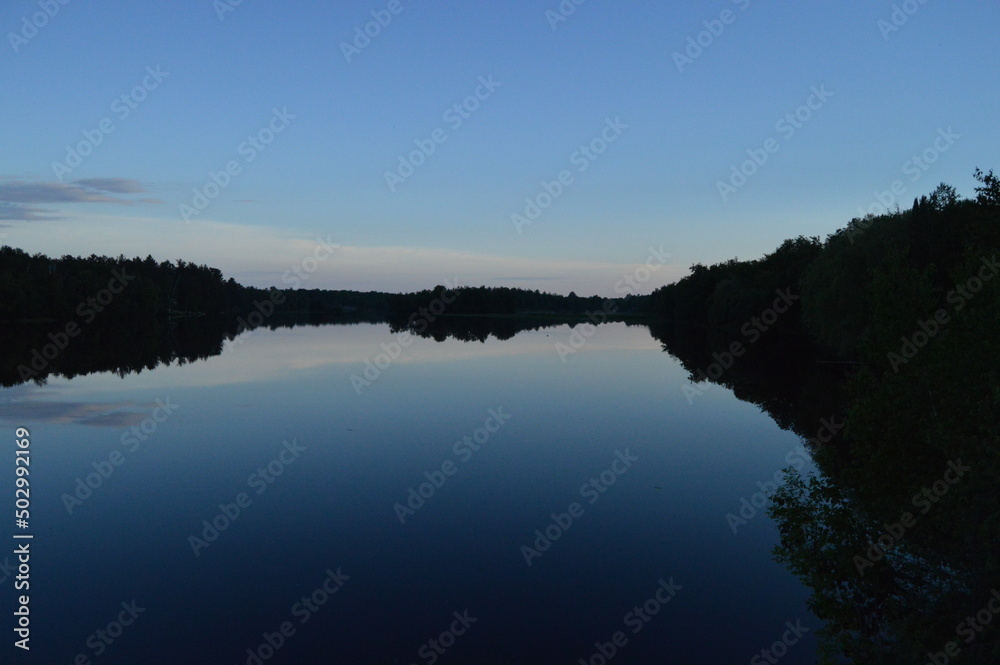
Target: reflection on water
267	475
898	538
239	483
30	355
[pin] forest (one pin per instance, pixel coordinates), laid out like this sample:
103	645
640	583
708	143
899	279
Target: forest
865	280
125	315
37	288
893	333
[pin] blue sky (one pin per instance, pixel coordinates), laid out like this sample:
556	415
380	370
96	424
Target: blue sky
211	84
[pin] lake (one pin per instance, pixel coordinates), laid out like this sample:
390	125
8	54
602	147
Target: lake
464	502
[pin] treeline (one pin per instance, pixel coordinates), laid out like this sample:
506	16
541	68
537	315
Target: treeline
367	305
726	296
491	301
853	285
898	537
39	288
35	287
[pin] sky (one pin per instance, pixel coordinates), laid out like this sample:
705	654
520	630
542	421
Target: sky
544	145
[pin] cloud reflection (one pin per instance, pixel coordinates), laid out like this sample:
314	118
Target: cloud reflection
20	410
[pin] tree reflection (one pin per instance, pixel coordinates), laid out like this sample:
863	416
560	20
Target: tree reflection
899	535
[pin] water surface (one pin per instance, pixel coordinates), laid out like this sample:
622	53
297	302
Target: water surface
351	458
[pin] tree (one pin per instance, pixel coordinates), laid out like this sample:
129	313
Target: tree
943	197
989	192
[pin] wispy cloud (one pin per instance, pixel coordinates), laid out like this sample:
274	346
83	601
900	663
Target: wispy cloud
19	199
12	212
51	192
116	185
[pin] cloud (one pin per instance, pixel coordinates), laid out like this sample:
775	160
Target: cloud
18	191
20	213
19	199
115	185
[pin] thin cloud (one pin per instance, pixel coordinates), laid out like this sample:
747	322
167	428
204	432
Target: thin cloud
50	192
19	213
528	278
114	185
19	199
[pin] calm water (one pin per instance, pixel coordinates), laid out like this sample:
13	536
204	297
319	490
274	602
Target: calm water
328	504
